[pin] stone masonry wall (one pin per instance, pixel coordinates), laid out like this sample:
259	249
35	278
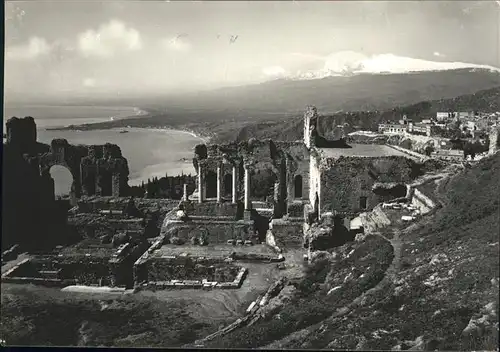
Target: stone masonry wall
213	209
163	269
348	179
287	233
216	231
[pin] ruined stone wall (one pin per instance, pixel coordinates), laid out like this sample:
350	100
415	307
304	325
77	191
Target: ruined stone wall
63	270
297	164
346	180
296	210
287	234
21	133
165	269
26	272
29	215
216	231
95	226
262	155
213	209
122	263
87	271
332	127
104	171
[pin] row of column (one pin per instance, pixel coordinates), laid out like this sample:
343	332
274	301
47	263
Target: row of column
201	185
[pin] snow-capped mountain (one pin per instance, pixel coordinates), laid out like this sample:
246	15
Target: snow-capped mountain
349	63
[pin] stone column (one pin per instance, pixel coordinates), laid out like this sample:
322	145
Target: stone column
219	183
247	188
185	193
276	192
115	184
235	185
201	186
278	207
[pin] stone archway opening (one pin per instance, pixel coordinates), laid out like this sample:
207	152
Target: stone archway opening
262	184
211	184
297	187
228	185
63	181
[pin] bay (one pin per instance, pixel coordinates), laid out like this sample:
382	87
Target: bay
150	152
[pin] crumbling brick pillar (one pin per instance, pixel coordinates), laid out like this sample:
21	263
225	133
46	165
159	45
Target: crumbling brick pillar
247	188
201	184
235	185
219	183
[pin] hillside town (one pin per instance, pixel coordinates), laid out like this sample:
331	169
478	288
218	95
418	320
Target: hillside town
452	136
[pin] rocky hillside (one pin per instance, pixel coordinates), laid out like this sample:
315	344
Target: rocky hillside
431	286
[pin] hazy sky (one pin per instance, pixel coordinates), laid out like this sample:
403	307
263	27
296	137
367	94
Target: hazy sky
143	46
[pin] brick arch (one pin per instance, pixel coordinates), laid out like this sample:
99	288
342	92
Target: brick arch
63	154
94	168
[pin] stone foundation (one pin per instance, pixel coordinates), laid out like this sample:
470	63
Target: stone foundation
287	233
215	230
197	284
180	272
75	267
212	209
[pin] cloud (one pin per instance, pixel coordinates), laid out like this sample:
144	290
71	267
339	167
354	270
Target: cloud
109	39
307	56
89	82
35	48
274	71
438	54
177	43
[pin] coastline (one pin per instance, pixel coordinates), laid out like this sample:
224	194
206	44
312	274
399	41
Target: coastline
144	115
205	139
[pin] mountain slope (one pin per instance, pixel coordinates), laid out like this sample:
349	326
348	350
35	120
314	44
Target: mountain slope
292	128
274	109
359	92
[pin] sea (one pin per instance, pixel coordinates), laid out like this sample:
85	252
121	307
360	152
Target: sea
150	152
